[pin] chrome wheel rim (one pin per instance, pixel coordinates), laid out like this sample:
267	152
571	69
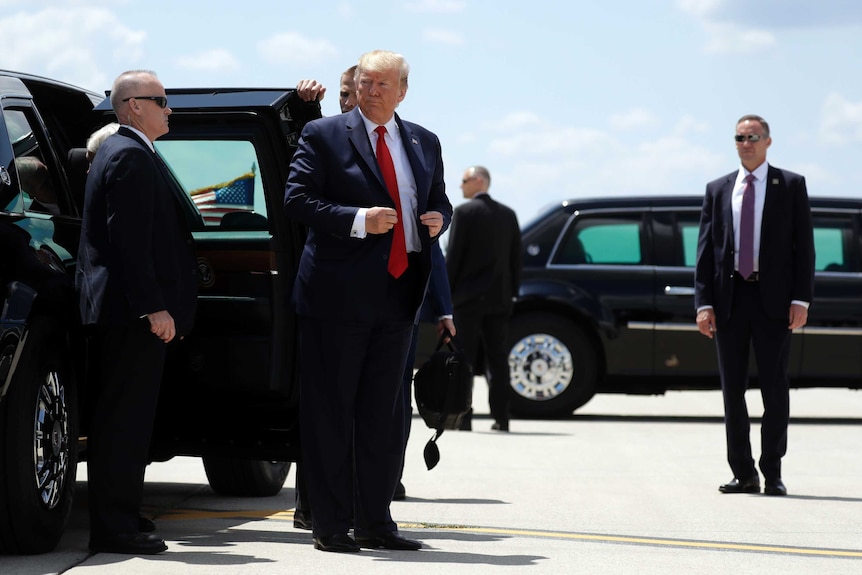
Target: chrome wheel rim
51	441
540	367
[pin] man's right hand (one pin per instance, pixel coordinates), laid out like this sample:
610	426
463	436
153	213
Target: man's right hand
706	322
379	220
162	325
309	90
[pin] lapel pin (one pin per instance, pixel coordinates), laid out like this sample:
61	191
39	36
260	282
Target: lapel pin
775	181
415	141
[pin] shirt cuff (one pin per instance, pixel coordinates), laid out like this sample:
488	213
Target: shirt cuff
358	229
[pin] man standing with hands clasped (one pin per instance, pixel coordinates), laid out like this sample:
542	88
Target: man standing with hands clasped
369	187
484	264
754	281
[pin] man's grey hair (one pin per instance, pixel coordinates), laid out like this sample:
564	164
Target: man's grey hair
482	172
127	85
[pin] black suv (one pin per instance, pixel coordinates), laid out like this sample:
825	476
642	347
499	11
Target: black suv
607	303
230	393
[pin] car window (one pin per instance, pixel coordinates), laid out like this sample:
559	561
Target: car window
37	177
602	240
222	179
689	231
834	244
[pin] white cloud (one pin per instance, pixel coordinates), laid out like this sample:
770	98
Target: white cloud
633	119
217	59
65	43
294	48
732	39
540	161
437	6
840	120
442	36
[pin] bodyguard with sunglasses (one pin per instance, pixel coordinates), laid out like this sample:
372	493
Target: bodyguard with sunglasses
754	281
137	280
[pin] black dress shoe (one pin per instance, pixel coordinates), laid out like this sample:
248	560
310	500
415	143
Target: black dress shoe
339	543
130	544
466	422
400	493
775	487
500	426
145	524
302	520
388	541
749	485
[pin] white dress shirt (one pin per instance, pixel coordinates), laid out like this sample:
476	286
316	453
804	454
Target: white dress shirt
406	184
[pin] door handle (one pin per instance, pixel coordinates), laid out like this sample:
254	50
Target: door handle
678	290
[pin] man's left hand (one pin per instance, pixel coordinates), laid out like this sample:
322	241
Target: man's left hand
798	316
434	222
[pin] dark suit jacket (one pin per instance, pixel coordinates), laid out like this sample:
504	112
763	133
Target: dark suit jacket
136	255
438	299
484	256
334	173
786	245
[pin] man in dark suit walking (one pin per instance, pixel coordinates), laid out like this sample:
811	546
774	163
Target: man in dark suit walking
754	281
369	187
137	279
483	258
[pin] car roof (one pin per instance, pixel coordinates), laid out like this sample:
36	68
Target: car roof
12	82
225	99
670	201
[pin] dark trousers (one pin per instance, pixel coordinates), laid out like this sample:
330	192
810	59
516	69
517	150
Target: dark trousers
352	421
749	326
128	363
491	331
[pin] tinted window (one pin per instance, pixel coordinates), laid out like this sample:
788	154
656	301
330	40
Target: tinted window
37	177
602	240
834	244
222	178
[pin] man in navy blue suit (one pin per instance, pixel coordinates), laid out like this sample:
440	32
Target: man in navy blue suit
369	187
754	281
137	277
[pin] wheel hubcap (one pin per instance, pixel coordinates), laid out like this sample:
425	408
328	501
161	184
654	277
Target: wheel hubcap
51	443
540	367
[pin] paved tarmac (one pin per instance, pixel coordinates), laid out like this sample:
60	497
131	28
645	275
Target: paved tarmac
626	486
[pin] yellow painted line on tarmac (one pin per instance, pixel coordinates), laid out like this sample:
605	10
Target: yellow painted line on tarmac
287	515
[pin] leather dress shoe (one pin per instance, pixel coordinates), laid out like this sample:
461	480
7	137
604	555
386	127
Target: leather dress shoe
388	541
301	520
748	485
338	543
466	422
400	493
500	426
130	544
145	524
775	487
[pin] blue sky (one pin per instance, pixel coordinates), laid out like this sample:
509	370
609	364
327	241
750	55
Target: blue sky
558	99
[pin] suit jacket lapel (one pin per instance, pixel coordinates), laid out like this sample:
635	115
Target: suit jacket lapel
360	141
774	186
413	147
727	211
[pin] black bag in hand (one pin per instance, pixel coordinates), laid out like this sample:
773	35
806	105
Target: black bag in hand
443	387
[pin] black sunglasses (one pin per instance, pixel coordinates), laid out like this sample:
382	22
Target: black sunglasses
742	138
161	101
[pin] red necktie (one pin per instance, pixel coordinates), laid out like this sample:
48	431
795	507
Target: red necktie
746	229
398	252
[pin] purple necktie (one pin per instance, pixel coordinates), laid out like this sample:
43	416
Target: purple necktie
746	229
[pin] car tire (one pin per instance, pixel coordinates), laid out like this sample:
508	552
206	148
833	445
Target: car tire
552	365
236	477
38	443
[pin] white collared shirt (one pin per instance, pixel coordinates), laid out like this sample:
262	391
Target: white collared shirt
736	206
406	184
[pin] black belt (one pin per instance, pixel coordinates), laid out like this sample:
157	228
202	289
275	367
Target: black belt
754	277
